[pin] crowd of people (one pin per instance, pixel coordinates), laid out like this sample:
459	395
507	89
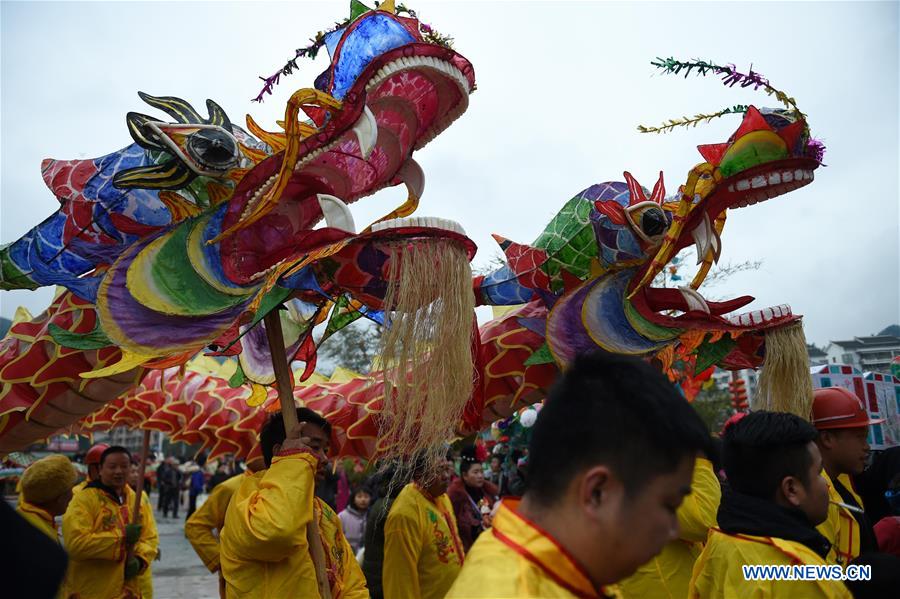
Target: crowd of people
621	492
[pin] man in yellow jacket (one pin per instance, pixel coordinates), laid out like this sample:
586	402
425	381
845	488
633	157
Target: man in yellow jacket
46	492
148	521
422	549
610	461
773	500
204	527
843	425
107	549
264	550
668	575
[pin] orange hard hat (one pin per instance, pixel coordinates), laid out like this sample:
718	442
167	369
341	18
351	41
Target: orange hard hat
836	407
94	453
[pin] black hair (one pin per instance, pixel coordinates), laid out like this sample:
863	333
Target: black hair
421	466
467	459
111	450
763	448
361	489
615	410
273	434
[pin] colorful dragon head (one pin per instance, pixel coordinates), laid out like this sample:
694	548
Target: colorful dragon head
769	155
595	264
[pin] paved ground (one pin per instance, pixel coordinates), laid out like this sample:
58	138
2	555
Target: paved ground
180	574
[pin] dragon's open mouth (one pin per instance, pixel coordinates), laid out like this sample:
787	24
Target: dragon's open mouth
685	307
400	102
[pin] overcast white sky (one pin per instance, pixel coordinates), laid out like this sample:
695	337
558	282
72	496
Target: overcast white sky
561	88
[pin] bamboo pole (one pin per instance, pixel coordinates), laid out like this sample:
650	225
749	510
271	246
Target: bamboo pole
284	380
142	468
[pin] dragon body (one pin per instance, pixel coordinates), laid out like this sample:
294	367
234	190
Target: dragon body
185	239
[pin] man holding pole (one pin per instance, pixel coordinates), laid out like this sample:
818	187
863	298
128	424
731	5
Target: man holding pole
107	548
274	523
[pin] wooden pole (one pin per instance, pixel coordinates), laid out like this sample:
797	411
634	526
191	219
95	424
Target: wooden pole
142	468
285	382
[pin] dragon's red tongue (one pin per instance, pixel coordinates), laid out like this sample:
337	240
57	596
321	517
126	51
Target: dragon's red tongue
662	298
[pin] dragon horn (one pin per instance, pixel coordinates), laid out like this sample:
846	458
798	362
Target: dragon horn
217	116
659	190
634	189
177	108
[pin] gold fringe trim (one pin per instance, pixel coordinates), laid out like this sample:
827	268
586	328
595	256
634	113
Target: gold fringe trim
426	351
785	384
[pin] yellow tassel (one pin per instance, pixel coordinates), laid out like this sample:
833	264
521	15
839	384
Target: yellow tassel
426	347
785	384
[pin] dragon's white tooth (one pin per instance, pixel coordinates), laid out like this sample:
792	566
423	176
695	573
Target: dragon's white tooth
758	181
701	234
337	214
767	315
412	175
731	188
777	311
774	178
744	319
787	176
694	300
743	185
787	310
798	175
366	130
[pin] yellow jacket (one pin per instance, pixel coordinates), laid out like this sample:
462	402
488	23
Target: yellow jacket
210	517
668	574
422	550
43	522
841	528
263	548
515	558
345	577
718	573
145	578
38	518
94	536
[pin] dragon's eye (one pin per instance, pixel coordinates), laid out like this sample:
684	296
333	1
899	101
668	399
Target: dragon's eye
213	148
653	222
648	220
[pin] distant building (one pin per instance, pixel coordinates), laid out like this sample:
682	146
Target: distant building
867	354
816	355
132	440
